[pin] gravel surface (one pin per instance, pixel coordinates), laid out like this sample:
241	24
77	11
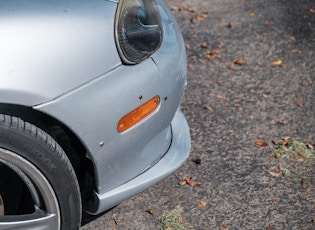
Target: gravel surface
235	97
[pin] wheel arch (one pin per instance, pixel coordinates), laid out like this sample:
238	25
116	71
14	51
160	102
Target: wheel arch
63	135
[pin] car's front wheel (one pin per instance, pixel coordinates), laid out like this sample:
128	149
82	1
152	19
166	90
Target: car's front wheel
38	186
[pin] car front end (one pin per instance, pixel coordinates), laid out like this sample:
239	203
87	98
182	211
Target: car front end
111	75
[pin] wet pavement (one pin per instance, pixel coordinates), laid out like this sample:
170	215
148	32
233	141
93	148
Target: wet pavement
251	73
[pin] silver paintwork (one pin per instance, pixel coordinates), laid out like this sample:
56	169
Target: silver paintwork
175	156
49	48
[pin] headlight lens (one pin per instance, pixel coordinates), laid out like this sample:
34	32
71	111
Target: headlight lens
138	29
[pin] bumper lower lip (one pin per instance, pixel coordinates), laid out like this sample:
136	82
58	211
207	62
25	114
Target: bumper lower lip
172	160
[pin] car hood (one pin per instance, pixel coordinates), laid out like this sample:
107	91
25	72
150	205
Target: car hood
48	48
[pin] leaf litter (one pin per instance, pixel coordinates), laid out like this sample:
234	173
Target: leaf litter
296	158
173	220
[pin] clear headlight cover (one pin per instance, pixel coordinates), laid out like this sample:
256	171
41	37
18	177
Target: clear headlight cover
138	29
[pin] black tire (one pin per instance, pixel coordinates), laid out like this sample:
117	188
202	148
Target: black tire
37	179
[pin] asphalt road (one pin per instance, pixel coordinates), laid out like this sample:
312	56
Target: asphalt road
251	77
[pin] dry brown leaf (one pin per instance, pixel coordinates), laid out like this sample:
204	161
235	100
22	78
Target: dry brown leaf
202	16
222	97
259	63
275	174
310	146
237	105
239	62
299	104
204	45
196	160
291	38
187	45
212	54
116	220
189	9
296	51
232	67
275	142
269	23
277	63
208	108
252	14
311	10
191	182
182	182
303	182
231	25
261	143
150	211
202	204
285	140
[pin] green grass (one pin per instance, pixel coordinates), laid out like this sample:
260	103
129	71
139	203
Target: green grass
293	148
172	220
296	157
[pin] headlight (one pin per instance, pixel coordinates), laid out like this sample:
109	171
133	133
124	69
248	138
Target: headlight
138	29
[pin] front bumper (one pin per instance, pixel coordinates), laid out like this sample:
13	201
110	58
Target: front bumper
172	160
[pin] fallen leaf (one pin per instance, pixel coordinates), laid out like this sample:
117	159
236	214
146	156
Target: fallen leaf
261	143
202	16
231	25
303	182
275	142
187	45
182	182
286	140
202	204
292	38
238	62
275	174
196	160
259	63
277	63
204	45
310	146
251	14
216	53
232	67
116	220
208	108
269	23
299	104
222	97
189	9
296	51
312	10
150	211
191	182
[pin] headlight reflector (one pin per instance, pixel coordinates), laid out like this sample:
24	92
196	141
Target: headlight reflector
138	29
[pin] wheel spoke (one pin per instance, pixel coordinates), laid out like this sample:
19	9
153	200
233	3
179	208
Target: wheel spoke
37	220
1	206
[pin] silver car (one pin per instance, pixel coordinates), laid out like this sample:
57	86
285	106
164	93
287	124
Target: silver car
89	106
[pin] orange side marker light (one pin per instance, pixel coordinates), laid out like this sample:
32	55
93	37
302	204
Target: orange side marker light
138	114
